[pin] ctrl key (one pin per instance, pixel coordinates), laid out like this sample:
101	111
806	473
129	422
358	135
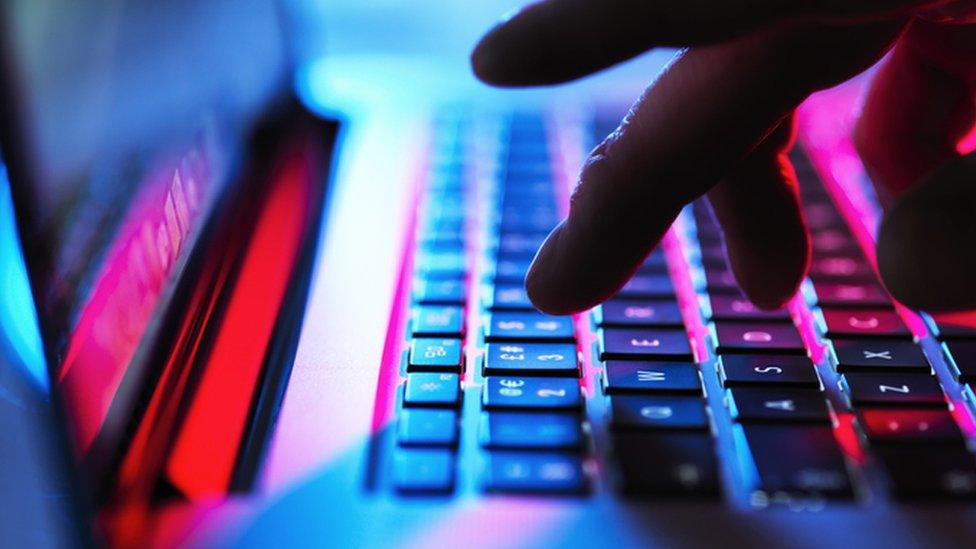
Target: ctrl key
423	471
534	473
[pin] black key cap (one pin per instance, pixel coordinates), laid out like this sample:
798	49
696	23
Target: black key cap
512	270
427	427
420	471
834	242
648	286
519	244
633	312
919	472
850	294
435	355
961	358
843	268
430	389
755	405
527	430
757	337
644	343
732	307
823	215
954	327
656	263
667	463
797	460
439	292
721	281
433	320
436	265
528	326
878	355
657	412
894	390
542	359
509	296
762	370
531	393
636	377
534	473
863	323
901	426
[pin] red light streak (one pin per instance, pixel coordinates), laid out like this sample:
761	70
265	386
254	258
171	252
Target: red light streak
205	451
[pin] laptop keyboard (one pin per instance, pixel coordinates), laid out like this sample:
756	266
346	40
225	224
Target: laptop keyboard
676	386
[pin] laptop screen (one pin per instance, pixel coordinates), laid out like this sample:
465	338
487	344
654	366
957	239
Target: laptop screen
123	120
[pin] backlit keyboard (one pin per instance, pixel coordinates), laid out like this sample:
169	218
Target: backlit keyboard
677	386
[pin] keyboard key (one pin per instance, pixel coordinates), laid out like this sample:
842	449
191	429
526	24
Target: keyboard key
721	280
543	359
421	471
633	312
427	427
644	343
749	404
433	320
667	463
520	244
878	355
526	430
440	292
509	296
531	393
530	325
834	242
841	268
648	286
657	412
434	354
761	370
920	472
534	473
823	215
850	294
430	389
436	265
731	307
757	337
864	323
961	358
638	377
512	270
894	390
800	460
656	263
909	426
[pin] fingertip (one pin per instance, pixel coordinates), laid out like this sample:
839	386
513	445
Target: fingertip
925	247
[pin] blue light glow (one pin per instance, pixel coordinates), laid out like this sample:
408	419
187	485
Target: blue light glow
21	339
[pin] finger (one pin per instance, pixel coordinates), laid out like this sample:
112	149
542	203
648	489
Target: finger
758	207
702	115
925	244
921	103
558	40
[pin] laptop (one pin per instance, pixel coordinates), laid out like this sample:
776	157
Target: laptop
276	253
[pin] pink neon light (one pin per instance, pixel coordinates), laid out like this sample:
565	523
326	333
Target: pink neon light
127	290
826	121
389	377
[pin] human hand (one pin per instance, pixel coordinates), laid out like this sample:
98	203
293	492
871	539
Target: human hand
718	121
